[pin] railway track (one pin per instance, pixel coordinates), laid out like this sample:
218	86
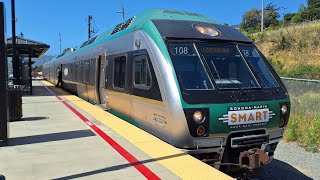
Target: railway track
291	162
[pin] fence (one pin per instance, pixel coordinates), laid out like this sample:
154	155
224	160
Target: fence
304	123
304	94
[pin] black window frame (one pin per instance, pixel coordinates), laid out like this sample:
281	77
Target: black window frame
256	73
80	72
114	79
235	45
76	71
86	72
144	86
193	44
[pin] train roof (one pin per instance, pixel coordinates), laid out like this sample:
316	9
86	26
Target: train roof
138	21
153	14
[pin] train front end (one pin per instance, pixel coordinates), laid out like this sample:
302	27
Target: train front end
235	105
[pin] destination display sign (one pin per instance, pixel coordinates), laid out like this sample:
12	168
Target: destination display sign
215	49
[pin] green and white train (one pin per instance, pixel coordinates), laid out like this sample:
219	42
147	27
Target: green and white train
202	87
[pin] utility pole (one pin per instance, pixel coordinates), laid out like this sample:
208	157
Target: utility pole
89	26
60	40
262	16
91	29
283	21
123	12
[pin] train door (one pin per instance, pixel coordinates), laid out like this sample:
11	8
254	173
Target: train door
102	78
56	71
49	73
118	86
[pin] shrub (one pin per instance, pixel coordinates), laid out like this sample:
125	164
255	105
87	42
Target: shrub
304	122
305	71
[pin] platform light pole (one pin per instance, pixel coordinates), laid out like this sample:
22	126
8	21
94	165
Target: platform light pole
15	60
262	16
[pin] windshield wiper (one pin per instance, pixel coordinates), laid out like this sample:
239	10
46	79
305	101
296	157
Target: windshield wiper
216	71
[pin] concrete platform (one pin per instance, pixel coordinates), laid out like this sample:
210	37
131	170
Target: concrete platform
63	137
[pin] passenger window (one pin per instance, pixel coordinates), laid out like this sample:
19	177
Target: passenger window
119	76
141	76
80	72
71	72
77	70
87	72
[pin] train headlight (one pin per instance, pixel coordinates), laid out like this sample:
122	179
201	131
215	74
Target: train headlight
207	30
198	116
284	109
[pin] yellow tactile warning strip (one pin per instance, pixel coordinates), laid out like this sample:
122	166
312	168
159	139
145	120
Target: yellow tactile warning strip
182	165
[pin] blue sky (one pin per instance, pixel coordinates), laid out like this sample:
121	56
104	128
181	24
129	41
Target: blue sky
42	20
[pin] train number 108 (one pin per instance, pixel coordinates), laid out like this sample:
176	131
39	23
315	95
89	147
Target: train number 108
181	50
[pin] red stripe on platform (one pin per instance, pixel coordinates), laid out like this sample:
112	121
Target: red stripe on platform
124	153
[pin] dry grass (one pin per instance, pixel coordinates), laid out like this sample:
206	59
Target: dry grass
290	48
304	122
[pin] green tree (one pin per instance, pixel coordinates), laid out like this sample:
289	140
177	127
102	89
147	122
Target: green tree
271	15
288	17
297	18
313	4
313	14
37	69
251	20
313	10
302	15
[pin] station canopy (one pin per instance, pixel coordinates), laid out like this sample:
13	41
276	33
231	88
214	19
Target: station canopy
27	47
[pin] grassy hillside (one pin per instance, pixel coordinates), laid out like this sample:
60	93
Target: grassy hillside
294	51
304	122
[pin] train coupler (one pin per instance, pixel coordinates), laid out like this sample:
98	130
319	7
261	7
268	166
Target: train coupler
253	158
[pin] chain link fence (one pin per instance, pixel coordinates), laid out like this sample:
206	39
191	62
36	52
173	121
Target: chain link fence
304	123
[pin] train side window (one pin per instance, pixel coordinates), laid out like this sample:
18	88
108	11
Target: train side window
86	71
141	72
81	72
119	76
93	75
70	71
76	71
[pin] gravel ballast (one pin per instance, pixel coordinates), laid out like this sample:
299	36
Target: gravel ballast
291	162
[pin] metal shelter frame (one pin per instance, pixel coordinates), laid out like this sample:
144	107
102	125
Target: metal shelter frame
25	48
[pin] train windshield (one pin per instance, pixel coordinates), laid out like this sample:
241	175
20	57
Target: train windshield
259	66
228	66
190	70
228	69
